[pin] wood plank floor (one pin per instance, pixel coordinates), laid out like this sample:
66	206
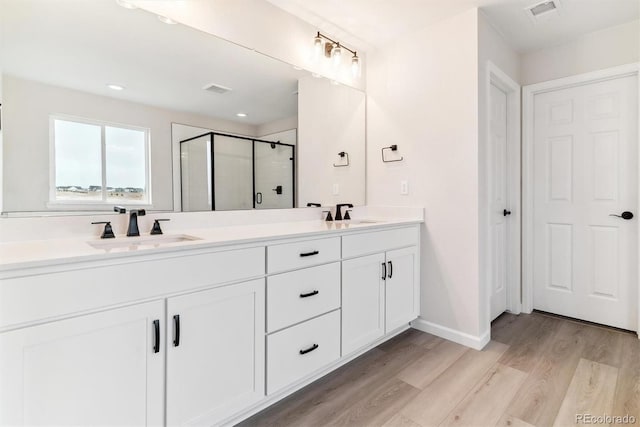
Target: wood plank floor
538	370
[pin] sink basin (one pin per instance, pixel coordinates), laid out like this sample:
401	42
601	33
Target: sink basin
142	242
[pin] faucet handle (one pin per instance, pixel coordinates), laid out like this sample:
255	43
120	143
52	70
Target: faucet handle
346	215
329	217
156	226
107	233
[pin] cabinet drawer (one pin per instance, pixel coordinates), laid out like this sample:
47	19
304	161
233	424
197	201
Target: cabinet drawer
299	351
379	241
291	256
303	294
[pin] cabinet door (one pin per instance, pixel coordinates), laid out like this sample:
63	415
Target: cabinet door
401	290
362	301
215	354
98	369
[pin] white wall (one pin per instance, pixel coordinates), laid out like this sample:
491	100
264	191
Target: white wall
606	48
259	25
491	47
331	120
423	96
276	127
26	109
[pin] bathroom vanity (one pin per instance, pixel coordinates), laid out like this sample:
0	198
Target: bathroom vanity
201	331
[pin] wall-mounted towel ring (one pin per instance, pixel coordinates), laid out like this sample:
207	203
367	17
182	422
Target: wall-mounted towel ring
342	155
393	147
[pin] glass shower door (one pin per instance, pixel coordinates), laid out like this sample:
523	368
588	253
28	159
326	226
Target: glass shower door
273	175
195	171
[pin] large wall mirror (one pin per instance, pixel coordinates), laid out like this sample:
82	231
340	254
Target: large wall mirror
103	105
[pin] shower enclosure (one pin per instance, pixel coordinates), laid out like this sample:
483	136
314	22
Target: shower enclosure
228	172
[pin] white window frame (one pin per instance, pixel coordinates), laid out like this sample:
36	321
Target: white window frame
97	204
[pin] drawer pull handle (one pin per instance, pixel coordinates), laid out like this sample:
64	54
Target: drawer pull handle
176	327
309	254
384	271
156	335
310	349
390	269
310	294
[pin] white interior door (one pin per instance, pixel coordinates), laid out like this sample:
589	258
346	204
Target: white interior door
499	207
585	168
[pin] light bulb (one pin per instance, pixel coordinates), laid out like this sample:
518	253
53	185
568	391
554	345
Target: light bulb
355	65
317	47
336	55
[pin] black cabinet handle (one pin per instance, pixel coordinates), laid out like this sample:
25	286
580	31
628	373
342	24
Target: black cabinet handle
156	334
176	327
310	349
310	294
506	212
384	271
309	254
390	269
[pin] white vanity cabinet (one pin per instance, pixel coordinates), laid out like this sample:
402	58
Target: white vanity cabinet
104	368
380	291
215	353
204	336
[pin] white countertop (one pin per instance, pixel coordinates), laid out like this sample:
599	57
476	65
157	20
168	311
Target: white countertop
41	253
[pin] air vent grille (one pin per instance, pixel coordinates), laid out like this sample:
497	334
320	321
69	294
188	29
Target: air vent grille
542	8
217	88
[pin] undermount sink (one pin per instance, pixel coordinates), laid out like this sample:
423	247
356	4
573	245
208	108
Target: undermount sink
141	242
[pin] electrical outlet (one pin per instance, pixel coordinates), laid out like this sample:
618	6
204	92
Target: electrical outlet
336	189
404	188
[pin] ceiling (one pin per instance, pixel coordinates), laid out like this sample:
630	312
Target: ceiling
371	23
85	45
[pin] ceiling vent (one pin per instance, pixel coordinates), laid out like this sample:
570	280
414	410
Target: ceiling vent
543	11
217	88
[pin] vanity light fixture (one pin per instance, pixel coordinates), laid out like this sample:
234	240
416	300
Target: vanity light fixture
333	50
113	86
166	20
241	114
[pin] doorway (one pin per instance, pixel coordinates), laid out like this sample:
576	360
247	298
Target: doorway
503	165
581	197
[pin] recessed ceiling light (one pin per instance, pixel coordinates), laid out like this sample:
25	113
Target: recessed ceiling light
126	4
241	114
166	20
115	86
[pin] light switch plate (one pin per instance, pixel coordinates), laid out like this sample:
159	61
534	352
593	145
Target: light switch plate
404	188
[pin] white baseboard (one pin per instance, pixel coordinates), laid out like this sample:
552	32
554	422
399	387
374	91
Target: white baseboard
473	341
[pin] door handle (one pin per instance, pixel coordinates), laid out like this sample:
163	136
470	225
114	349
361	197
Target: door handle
624	215
156	335
176	327
506	212
384	271
390	269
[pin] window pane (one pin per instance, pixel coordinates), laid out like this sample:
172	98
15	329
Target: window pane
78	161
126	166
